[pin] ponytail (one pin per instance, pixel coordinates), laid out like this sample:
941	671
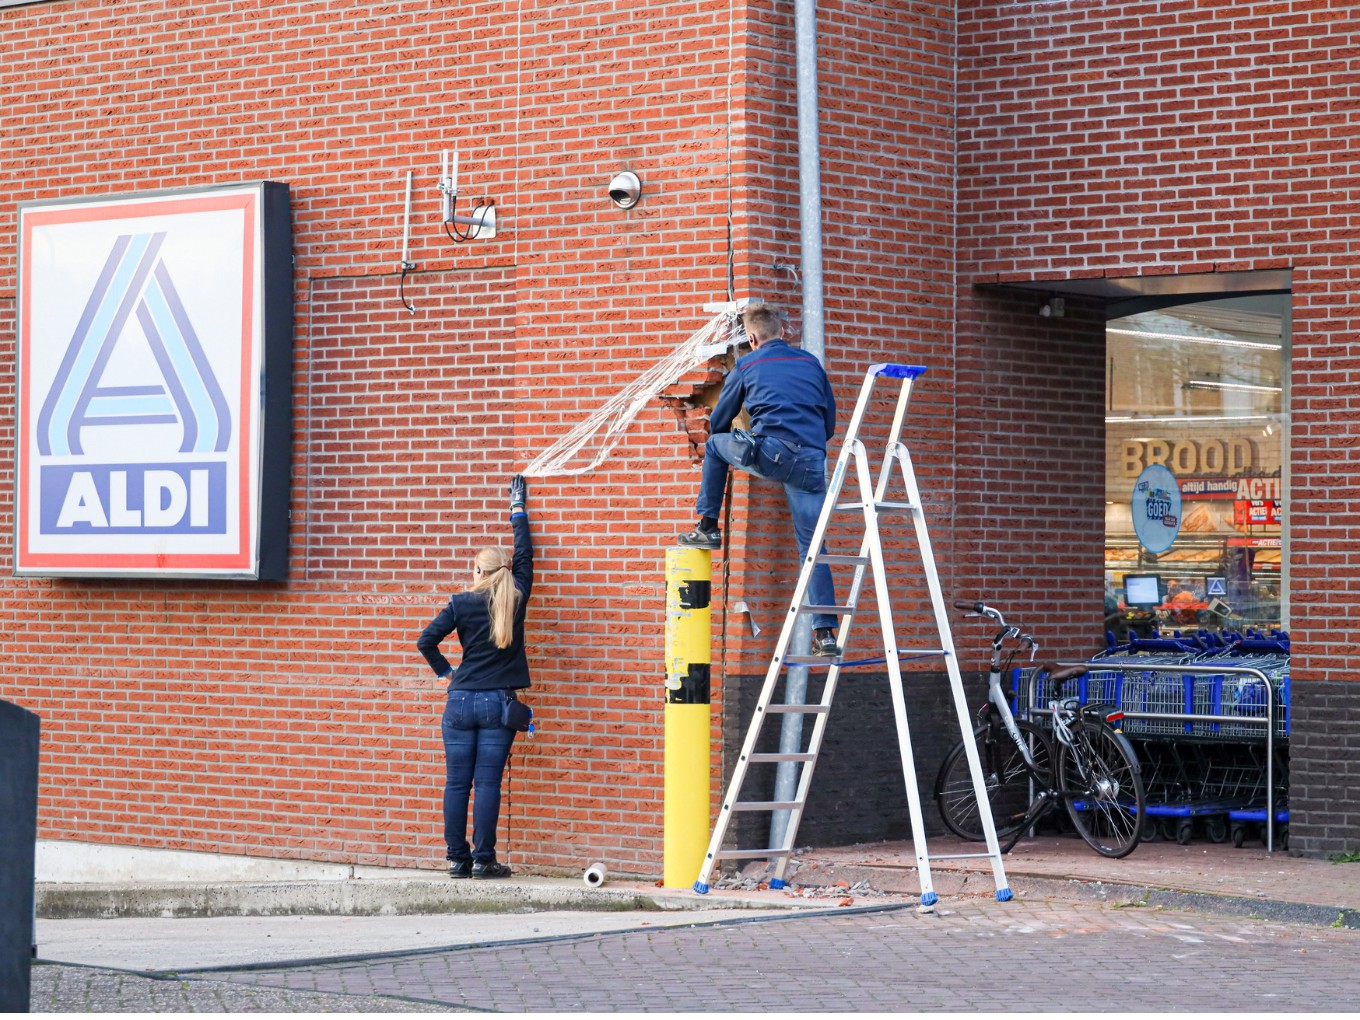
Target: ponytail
501	594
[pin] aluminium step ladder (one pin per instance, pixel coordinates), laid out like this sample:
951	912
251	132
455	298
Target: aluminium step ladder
869	561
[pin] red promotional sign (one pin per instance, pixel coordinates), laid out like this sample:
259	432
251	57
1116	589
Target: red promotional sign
1253	512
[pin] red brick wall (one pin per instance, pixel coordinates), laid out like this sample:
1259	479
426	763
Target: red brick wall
1187	137
1030	495
886	84
296	718
885	90
601	295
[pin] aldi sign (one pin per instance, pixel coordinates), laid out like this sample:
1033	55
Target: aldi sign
154	385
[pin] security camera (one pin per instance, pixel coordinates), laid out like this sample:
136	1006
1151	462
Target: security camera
625	190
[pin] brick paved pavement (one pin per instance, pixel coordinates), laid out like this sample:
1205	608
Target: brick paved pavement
978	955
57	988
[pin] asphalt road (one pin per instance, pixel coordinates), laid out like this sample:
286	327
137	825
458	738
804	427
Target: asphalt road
975	955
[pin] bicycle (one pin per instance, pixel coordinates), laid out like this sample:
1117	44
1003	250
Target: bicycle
1095	774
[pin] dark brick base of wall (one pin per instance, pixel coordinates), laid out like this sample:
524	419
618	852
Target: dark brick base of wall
1324	770
858	791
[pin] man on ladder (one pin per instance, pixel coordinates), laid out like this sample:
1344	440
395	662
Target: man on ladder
869	565
793	417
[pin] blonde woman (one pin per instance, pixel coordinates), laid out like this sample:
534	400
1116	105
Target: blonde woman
489	621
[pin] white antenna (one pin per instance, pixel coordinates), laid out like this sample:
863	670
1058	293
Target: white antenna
481	224
406	262
448	183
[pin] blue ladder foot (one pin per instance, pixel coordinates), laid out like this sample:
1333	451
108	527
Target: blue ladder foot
1002	895
701	888
776	883
929	899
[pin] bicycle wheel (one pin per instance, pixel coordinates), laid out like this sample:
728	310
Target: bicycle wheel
1006	777
1102	787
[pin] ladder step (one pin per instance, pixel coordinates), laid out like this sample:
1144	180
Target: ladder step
737	855
780	756
884	504
810	660
799	709
827	610
842	559
767	805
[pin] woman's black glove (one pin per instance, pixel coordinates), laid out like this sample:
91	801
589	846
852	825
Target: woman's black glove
519	493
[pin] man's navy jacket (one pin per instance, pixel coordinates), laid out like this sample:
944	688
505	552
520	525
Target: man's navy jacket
786	393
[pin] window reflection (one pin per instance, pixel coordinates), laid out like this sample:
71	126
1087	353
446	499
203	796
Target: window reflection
1198	389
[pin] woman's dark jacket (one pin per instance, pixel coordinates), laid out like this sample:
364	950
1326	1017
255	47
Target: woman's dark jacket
484	667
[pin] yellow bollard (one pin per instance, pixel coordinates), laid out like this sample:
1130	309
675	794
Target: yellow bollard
687	741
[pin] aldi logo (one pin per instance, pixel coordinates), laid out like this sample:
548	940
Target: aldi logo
149	440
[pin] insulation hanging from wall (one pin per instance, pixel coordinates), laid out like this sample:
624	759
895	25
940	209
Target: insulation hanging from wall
590	442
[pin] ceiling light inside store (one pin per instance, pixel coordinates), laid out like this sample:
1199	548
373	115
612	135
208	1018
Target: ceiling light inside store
1190	419
1205	384
1183	338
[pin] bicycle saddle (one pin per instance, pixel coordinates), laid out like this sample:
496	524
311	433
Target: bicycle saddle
1059	676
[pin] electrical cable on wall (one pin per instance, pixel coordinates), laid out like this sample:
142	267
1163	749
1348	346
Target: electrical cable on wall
483	217
406	267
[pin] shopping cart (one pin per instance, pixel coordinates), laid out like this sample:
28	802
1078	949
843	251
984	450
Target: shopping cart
1208	762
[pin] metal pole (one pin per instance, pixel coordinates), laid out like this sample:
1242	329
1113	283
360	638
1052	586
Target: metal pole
814	342
809	179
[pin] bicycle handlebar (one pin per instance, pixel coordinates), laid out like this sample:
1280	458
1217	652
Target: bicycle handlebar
1023	639
981	609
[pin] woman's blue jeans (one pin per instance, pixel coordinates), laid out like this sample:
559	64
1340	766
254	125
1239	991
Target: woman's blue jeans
476	748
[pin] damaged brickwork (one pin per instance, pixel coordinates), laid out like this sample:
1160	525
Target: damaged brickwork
691	400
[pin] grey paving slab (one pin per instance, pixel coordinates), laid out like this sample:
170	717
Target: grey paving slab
180	943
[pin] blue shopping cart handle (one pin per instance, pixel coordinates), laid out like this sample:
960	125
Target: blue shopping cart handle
898	371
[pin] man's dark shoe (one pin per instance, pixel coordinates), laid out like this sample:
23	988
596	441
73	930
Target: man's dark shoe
460	869
490	869
824	643
702	538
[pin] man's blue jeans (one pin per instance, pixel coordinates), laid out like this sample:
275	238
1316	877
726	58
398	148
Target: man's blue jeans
476	748
804	489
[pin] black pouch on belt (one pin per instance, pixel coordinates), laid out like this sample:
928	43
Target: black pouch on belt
516	715
745	447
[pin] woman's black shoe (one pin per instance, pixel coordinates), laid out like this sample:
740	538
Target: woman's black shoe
490	869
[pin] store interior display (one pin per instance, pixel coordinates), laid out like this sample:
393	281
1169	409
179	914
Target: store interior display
1198	390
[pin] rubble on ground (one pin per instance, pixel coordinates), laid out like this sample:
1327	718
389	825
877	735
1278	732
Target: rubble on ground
756	877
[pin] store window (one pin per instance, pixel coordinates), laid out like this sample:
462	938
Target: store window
1195	478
